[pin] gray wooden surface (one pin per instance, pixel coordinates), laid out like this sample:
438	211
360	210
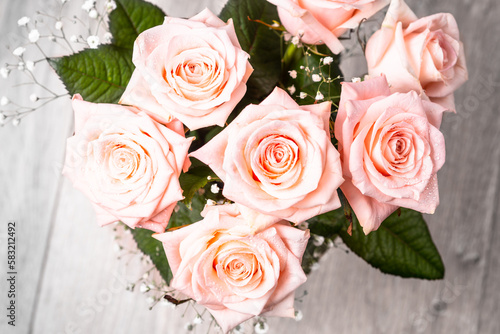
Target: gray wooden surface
69	280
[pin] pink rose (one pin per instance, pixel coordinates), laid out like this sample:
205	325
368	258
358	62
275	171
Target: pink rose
277	158
424	55
391	150
234	270
194	70
323	21
127	164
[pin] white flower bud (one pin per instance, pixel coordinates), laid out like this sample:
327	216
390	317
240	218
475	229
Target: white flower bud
316	78
291	89
319	96
93	41
73	39
93	13
34	36
303	95
4	101
30	65
110	6
18	51
107	37
4	72
23	21
58	25
33	97
293	74
261	327
215	188
327	60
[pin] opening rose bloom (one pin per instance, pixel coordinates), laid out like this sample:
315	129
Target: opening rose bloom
323	21
277	158
424	55
391	150
127	164
235	271
194	70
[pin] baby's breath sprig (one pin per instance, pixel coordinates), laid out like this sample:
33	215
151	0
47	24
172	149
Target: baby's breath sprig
47	35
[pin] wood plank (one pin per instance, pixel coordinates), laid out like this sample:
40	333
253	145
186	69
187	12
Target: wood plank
29	176
82	281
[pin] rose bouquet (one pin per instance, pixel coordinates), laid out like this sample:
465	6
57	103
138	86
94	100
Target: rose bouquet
235	153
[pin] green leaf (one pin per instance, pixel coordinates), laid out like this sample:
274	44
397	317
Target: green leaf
154	249
183	215
401	246
99	75
328	224
261	42
193	180
308	62
130	18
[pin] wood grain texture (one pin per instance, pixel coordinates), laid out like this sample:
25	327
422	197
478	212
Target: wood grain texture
71	282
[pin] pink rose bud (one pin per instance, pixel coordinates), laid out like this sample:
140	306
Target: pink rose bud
193	70
127	164
277	158
391	150
323	21
236	267
424	55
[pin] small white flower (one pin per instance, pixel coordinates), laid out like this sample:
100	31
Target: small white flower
316	78
197	320
261	327
319	96
356	80
18	51
303	95
293	74
298	315
4	101
110	6
144	288
73	39
150	300
52	38
291	90
16	121
93	41
215	188
301	67
64	1
33	97
318	240
327	60
107	37
295	40
30	65
58	25
117	247
23	21
88	5
4	72
34	36
210	202
93	13
21	66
